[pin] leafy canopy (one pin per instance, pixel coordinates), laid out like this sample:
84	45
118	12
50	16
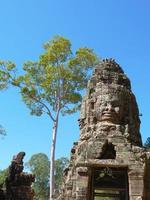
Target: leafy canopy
2	130
60	165
7	73
57	78
3	175
39	165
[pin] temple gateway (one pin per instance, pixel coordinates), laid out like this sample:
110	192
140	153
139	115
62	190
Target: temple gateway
108	162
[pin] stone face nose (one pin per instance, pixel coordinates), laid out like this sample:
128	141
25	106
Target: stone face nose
109	107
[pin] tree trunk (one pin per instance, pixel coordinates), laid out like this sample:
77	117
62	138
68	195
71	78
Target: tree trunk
52	156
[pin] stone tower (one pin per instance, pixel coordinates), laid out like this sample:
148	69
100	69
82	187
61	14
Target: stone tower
108	162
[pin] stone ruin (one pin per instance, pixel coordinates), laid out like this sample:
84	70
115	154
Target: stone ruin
18	183
108	162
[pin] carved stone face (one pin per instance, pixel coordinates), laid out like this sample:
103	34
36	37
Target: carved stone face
110	109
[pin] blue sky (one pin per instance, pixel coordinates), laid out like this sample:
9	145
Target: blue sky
118	29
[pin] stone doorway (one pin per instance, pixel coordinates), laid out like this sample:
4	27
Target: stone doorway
109	184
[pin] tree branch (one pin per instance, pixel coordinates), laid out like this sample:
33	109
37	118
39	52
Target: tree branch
49	112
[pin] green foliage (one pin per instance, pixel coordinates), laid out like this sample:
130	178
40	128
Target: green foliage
2	130
7	73
147	143
54	83
3	175
60	165
56	79
39	166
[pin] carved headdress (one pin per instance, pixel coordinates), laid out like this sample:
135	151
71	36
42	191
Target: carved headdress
110	99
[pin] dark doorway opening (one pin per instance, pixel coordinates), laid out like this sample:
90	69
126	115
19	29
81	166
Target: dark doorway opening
108	151
109	184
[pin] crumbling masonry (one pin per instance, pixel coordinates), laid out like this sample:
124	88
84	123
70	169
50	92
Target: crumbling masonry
109	161
18	183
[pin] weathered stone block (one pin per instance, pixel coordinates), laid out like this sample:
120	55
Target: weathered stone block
109	159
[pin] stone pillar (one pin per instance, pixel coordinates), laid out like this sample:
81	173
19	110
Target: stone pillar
136	185
147	180
82	183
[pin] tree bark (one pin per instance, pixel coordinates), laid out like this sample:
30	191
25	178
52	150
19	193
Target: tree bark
52	156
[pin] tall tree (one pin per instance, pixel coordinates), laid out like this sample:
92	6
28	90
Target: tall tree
53	84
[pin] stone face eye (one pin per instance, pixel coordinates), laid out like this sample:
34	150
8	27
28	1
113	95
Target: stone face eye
117	109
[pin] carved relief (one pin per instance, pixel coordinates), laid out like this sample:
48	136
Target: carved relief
109	139
110	110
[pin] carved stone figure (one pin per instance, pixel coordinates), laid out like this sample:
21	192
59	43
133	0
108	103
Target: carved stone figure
110	110
109	139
